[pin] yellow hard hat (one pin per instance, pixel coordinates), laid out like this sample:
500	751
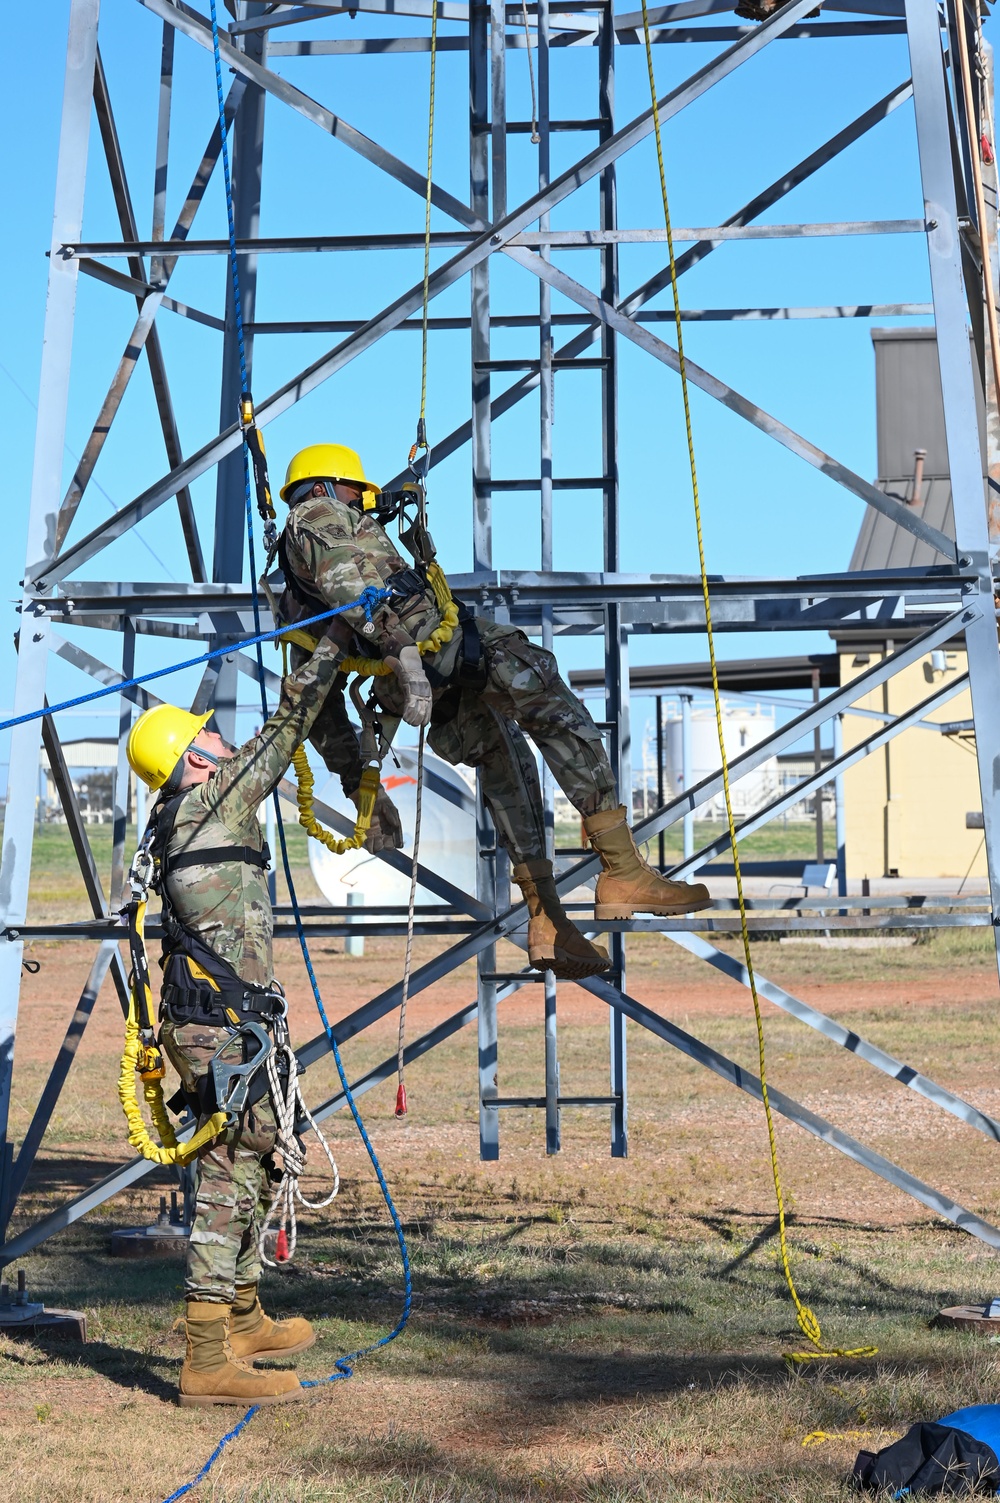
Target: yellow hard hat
328	462
159	739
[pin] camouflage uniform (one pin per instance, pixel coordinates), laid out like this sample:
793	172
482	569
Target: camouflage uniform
334	550
227	905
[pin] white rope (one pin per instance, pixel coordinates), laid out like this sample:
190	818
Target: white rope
401	1089
288	1107
535	137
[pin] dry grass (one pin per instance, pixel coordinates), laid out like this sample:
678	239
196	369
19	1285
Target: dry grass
583	1330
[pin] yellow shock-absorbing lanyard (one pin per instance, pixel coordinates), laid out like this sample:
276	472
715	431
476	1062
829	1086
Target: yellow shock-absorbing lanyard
141	1056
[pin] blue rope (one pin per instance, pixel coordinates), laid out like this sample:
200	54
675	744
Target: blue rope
344	1366
368	599
237	301
230	1435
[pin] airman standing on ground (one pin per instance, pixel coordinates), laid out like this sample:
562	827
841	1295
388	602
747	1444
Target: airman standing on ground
218	973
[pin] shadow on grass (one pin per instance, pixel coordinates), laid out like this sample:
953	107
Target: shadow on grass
122	1365
897	1297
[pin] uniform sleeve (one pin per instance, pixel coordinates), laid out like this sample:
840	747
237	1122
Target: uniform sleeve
326	553
243	781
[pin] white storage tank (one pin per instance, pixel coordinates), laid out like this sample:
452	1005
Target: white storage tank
447	836
743	727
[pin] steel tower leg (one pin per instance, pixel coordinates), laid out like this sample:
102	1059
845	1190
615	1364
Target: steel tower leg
230	493
46	494
944	241
617	709
553	1123
485	71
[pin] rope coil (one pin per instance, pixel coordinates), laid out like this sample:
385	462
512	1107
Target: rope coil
289	1106
807	1321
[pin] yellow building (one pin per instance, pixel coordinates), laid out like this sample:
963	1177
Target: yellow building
907	804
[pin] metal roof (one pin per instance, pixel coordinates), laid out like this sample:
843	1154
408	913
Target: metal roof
89	751
910	416
750	675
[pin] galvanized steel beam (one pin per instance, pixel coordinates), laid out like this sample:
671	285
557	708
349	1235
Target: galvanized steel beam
50	435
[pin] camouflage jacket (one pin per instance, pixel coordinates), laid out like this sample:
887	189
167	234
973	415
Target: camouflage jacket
336	550
227	904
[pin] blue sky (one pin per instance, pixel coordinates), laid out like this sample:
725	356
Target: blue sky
765	511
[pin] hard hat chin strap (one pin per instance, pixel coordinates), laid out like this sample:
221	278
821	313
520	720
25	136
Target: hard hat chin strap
200	751
173	783
305	489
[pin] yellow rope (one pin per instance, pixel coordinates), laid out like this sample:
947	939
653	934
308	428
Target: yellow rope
366	668
819	1437
147	1061
448	610
427	223
808	1324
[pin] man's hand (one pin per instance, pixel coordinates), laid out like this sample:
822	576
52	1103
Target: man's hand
409	671
386	830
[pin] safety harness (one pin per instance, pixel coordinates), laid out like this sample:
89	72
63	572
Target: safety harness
199	986
255	1059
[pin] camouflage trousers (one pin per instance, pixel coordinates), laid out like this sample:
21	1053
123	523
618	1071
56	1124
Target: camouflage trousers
485	728
231	1177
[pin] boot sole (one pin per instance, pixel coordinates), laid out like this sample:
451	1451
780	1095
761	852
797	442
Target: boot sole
270	1353
662	910
209	1400
571	970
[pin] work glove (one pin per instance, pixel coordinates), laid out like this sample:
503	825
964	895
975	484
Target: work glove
412	679
386	830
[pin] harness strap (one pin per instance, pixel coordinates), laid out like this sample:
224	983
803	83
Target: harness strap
217	854
219	1009
141	986
472	671
469	670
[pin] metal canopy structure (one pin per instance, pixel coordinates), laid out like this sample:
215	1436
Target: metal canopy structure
951	596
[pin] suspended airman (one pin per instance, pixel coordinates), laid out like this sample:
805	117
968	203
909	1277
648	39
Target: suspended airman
482	692
218	974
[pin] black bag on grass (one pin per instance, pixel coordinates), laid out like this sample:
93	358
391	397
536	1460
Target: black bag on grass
930	1458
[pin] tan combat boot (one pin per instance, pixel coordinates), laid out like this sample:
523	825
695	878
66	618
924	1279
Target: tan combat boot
253	1335
628	884
554	942
212	1375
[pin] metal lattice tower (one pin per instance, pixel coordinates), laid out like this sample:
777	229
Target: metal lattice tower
933	605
